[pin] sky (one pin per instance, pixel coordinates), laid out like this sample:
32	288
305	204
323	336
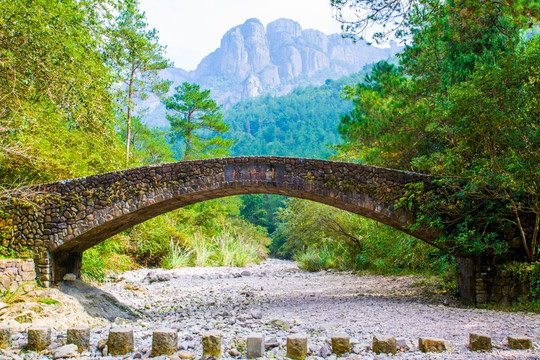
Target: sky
192	29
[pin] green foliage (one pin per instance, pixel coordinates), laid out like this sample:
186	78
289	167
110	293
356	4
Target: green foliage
462	105
302	123
23	253
11	296
149	145
322	237
105	259
136	56
210	233
56	113
47	301
528	274
261	209
194	120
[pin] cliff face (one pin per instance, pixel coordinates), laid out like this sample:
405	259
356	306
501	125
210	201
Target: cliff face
252	60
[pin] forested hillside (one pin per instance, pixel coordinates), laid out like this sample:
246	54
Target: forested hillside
302	123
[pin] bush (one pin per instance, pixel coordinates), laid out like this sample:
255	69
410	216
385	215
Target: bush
322	237
205	234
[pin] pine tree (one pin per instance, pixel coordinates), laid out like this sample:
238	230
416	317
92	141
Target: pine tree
195	120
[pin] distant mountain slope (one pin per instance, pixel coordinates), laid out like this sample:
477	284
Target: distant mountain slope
302	123
253	61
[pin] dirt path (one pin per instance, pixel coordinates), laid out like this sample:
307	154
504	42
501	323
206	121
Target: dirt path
278	299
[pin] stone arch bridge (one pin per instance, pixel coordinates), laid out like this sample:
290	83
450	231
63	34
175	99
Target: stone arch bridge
60	220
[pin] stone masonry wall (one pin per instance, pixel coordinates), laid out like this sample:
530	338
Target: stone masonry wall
504	284
15	273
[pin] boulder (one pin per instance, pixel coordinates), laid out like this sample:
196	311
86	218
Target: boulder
39	338
80	336
66	351
120	341
255	346
164	342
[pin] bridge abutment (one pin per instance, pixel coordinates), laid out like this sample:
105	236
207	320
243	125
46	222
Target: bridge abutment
44	263
483	280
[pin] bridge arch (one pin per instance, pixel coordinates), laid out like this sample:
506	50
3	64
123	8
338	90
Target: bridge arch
74	215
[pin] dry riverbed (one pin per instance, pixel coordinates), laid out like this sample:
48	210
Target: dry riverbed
278	299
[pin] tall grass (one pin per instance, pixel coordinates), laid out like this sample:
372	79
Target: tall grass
106	259
205	234
224	249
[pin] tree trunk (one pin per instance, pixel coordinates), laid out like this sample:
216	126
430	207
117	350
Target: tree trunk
129	109
188	135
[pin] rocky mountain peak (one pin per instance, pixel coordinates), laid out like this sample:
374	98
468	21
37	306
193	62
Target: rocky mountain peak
254	60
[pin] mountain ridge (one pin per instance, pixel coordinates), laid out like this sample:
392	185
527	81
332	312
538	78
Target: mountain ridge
254	60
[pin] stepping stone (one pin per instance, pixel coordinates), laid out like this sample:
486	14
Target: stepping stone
79	336
519	343
39	338
5	337
431	345
120	341
164	342
478	342
255	346
297	346
384	344
211	342
341	344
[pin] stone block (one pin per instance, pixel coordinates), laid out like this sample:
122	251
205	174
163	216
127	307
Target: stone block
120	341
255	346
79	336
211	342
384	344
431	345
341	344
39	338
297	346
479	342
28	266
28	276
5	337
519	343
164	342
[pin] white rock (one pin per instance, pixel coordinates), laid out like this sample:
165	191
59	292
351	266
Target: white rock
65	351
70	277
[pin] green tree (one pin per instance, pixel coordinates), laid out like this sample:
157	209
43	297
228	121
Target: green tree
463	105
150	145
56	107
137	57
195	120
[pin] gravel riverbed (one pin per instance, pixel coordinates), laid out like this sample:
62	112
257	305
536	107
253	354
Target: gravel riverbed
278	299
